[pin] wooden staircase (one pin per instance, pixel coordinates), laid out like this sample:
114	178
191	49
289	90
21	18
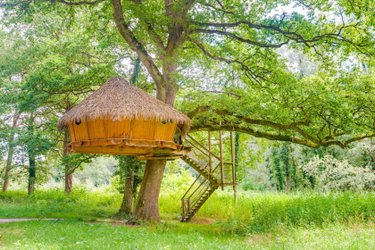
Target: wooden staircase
211	170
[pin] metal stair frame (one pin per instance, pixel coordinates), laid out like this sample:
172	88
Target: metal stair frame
208	180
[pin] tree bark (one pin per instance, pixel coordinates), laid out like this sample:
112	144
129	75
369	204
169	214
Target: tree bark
127	201
68	172
8	164
31	156
32	174
148	201
68	188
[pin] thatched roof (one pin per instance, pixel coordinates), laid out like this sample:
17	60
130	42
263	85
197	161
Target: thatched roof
117	99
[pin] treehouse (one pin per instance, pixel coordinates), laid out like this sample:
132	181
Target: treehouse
121	119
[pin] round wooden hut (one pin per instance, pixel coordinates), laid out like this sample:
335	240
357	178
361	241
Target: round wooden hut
122	119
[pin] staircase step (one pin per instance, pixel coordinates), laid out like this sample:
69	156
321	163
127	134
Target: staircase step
212	183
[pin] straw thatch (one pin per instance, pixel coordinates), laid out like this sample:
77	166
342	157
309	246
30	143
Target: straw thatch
119	100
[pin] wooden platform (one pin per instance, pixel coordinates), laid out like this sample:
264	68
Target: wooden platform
144	149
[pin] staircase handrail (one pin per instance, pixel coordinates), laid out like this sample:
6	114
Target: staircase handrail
191	186
207	153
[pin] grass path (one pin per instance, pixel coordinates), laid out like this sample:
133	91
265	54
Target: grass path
10	220
73	234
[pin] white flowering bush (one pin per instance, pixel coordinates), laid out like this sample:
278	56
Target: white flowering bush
333	174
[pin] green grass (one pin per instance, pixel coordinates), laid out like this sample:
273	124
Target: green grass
257	221
56	204
83	235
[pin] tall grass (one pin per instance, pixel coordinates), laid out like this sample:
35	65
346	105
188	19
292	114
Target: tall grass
253	212
259	212
56	204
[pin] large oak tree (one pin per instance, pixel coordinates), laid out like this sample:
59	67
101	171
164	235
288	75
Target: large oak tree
223	58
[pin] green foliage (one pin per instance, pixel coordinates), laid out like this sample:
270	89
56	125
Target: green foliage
283	171
131	167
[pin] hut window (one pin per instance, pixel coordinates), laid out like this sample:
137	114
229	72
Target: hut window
164	121
77	121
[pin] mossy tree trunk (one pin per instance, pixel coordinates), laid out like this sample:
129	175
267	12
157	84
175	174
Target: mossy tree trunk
9	161
148	198
129	169
68	168
127	200
31	155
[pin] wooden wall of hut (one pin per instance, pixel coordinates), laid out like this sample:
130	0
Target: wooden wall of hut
90	136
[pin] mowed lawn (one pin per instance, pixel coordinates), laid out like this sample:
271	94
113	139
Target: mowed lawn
257	221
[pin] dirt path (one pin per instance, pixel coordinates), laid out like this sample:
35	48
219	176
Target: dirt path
9	220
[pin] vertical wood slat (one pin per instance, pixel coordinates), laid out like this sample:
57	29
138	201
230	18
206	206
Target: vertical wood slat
221	159
164	132
233	166
87	130
209	152
143	130
72	133
81	131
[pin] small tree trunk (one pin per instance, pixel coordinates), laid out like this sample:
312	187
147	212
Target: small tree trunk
32	174
9	161
68	188
8	164
31	156
148	206
127	201
68	185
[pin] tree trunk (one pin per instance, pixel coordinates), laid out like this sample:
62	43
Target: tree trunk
68	185
127	201
32	174
9	161
31	155
148	206
148	200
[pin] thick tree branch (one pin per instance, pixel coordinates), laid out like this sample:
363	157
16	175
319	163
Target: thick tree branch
249	72
177	12
283	132
287	34
238	38
134	44
151	31
280	137
72	2
294	126
256	133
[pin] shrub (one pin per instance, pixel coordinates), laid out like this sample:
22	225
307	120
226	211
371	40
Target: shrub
333	174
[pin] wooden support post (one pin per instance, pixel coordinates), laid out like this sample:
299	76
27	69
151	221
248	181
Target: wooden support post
233	161
209	153
221	160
